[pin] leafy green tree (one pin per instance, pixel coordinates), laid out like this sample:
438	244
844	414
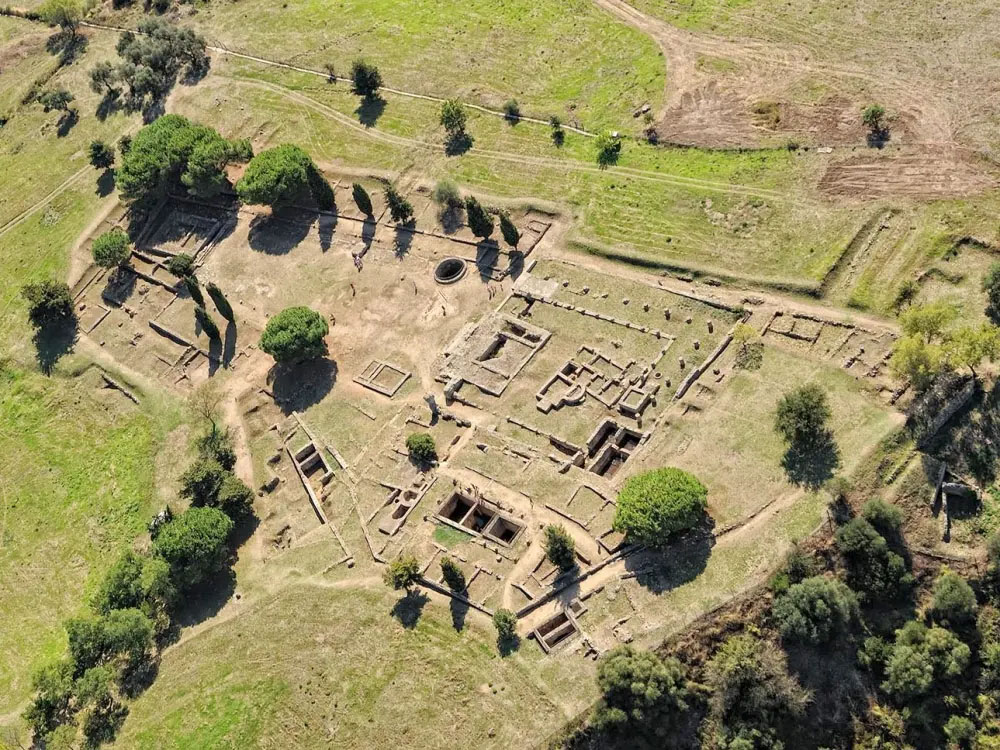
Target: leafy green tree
873	570
57	99
916	360
505	622
104	79
235	498
798	566
52	685
366	78
204	175
135	582
453	117
560	548
202	481
421	447
149	165
640	692
480	222
207	324
362	199
50	303
512	111
510	234
751	689
749	348
658	503
921	658
295	334
815	610
402	573
181	265
954	603
453	575
194	544
220	302
873	116
970	345
447	195
400	209
102	156
802	415
111	249
608	149
154	56
991	286
276	177
121	633
66	14
558	133
960	732
217	445
929	321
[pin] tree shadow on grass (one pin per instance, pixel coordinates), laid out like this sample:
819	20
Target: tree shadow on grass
136	678
297	386
459	609
409	608
105	183
508	646
276	235
68	45
682	560
66	122
206	599
52	342
458	144
812	464
370	110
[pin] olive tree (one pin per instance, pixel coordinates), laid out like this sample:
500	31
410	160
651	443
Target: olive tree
815	610
639	692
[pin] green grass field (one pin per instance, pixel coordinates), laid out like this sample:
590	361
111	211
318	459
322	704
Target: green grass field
317	666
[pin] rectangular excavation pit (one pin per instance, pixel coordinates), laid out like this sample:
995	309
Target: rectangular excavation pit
556	630
383	377
476	517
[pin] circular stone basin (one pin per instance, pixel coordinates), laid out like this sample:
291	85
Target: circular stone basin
449	270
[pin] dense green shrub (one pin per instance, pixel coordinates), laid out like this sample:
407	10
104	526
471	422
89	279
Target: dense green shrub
954	603
402	573
802	415
480	222
815	610
220	302
181	265
510	234
873	570
921	659
208	325
421	447
658	503
93	641
366	78
362	199
505	622
400	209
102	156
639	692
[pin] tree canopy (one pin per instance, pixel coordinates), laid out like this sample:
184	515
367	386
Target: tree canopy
277	177
111	249
560	548
194	544
366	78
802	415
480	222
295	334
639	692
50	303
815	610
402	573
658	503
421	447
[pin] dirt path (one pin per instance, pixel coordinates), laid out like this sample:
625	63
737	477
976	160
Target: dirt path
40	203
